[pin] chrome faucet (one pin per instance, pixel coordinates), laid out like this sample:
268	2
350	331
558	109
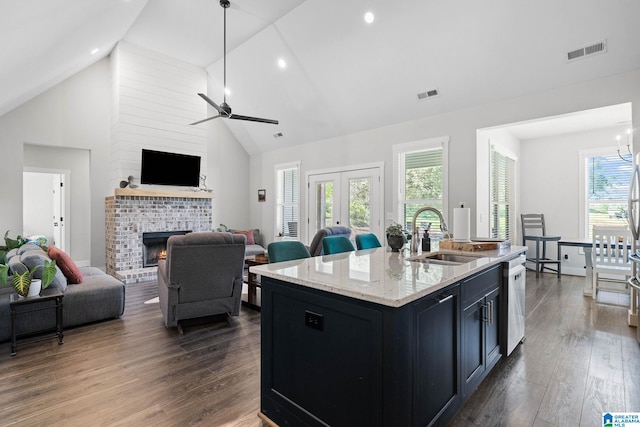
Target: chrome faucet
414	230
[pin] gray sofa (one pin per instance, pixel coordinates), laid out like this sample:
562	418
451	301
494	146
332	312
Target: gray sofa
258	248
98	297
315	248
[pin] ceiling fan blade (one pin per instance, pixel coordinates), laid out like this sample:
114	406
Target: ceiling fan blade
206	120
253	119
213	104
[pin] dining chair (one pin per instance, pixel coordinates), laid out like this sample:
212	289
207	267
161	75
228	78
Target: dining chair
336	245
286	250
534	229
610	252
367	241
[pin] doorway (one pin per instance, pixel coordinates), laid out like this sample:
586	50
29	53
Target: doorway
44	206
352	197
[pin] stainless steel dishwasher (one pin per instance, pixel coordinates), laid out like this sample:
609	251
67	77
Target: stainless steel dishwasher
515	279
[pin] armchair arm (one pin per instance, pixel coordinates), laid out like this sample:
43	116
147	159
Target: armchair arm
168	294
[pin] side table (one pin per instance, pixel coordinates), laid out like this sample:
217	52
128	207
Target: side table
46	301
252	280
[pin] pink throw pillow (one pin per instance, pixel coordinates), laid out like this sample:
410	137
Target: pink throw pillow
66	265
249	234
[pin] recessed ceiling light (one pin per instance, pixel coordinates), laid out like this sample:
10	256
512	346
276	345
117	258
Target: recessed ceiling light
94	51
282	63
368	17
227	91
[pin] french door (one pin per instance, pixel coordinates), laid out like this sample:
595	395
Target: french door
352	198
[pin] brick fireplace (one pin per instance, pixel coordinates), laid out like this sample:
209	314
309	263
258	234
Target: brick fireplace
131	212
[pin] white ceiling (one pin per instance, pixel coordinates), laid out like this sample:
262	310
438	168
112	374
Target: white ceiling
343	75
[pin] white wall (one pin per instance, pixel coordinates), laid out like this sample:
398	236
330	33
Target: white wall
228	175
460	126
154	98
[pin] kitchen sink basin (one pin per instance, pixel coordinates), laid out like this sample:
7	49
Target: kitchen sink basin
445	258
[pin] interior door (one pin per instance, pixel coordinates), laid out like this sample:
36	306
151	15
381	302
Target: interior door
351	198
46	191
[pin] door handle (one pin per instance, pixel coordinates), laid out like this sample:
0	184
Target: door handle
491	312
440	301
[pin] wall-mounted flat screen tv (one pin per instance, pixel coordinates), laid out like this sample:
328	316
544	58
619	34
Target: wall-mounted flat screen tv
161	168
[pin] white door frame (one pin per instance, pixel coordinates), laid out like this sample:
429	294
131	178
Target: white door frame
344	169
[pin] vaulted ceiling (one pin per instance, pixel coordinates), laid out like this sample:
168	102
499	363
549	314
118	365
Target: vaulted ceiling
342	74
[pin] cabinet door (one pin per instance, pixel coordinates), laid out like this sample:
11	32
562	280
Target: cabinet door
473	338
493	322
436	388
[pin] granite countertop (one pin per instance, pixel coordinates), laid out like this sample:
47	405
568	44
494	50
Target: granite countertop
380	276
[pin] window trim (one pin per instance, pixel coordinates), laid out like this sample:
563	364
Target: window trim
424	144
278	168
583	206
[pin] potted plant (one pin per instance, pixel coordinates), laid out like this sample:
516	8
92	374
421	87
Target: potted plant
395	236
26	285
23	283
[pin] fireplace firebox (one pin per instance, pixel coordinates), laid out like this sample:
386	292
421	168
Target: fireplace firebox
154	246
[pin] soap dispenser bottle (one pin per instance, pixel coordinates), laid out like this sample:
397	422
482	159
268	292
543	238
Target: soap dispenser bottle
426	239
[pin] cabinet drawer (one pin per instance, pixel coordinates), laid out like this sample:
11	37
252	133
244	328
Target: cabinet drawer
477	286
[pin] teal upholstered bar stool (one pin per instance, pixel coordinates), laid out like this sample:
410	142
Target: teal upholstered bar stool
286	250
336	245
367	241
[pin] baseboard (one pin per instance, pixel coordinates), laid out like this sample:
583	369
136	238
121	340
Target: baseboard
573	271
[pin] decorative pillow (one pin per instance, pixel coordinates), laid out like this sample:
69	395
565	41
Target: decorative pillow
11	254
249	234
37	258
15	266
27	247
66	264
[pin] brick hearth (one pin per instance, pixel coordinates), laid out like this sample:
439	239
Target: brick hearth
131	212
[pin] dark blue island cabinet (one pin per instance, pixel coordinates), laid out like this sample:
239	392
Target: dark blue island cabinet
331	360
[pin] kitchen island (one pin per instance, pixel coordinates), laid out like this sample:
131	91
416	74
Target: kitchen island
374	338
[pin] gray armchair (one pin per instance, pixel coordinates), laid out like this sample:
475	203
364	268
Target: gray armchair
202	276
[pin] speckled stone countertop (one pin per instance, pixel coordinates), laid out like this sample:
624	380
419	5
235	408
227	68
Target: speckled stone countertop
380	276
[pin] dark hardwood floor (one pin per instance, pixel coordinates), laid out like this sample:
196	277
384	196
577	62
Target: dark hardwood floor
579	359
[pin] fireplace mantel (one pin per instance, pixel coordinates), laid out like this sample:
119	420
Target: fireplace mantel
144	192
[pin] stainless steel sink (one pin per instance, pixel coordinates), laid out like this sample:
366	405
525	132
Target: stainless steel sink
445	258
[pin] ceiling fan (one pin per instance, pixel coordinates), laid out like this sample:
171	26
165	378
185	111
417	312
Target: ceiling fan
224	110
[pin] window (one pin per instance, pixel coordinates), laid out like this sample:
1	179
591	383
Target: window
287	199
502	221
607	179
421	180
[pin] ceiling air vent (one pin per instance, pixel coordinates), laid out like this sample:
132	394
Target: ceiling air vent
592	49
428	94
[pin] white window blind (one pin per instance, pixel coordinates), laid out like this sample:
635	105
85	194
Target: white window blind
503	196
607	190
287	201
